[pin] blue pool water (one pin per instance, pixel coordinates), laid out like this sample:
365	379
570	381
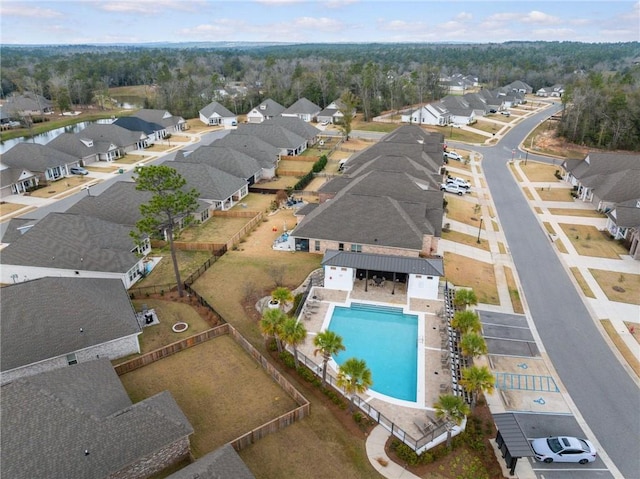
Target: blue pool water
387	340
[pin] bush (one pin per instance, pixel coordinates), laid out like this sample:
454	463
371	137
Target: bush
287	359
405	453
306	374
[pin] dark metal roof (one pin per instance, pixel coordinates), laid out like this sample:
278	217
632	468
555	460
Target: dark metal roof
379	262
512	434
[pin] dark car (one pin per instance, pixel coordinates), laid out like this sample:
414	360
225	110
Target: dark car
493	110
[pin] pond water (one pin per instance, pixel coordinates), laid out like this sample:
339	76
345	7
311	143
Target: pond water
46	137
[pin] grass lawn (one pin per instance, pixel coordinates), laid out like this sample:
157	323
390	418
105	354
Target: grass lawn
539	172
464	271
459	209
188	262
209	382
374	126
589	241
555	194
8	208
169	313
513	291
582	283
620	287
627	354
575	212
60	186
465	239
216	229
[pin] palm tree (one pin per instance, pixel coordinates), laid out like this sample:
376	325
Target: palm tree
465	321
282	295
472	345
465	298
327	343
477	379
293	333
270	324
354	377
452	409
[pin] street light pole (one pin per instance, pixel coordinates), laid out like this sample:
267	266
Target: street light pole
479	230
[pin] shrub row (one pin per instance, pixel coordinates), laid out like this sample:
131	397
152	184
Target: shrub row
318	166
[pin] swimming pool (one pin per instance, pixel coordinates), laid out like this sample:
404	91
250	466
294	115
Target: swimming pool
387	339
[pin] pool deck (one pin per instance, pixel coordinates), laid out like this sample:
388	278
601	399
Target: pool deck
435	374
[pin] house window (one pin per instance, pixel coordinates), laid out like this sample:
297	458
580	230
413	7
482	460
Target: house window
71	359
356	248
340	246
316	245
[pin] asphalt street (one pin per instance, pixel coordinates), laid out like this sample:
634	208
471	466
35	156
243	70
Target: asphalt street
604	394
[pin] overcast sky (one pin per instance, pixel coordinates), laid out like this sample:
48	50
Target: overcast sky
317	21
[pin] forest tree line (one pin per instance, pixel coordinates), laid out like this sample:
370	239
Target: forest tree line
602	105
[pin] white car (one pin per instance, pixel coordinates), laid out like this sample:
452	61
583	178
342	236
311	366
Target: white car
563	449
452	188
505	113
452	155
458	181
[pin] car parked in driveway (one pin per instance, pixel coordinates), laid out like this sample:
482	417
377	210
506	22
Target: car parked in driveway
461	182
78	170
452	155
452	188
505	113
563	449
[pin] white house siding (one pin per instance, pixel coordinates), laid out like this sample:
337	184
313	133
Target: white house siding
340	278
28	273
115	349
423	286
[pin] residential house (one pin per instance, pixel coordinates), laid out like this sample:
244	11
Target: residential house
555	91
214	114
16	181
298	126
453	85
40	332
264	153
304	109
342	269
334	112
286	141
226	159
435	113
222	463
79	423
67	245
520	87
604	179
120	203
219	189
26	105
491	99
509	96
477	103
48	163
111	141
83	149
265	110
460	111
623	223
152	131
171	123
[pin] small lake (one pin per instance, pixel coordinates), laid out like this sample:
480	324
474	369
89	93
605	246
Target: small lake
47	136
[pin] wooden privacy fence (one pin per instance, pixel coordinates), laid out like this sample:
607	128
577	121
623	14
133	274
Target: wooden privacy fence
265	429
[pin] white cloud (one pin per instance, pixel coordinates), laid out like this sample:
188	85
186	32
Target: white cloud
25	10
401	26
150	6
323	24
278	2
335	4
463	17
542	18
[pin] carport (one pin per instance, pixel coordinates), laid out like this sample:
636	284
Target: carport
511	440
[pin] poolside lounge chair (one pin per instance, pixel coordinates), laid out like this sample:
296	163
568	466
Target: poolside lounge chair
424	427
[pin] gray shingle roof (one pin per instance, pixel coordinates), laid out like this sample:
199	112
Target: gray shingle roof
73	242
215	107
303	106
161	117
223	463
133	123
72	144
15	227
379	262
274	134
50	420
120	203
294	125
226	159
9	176
211	183
269	108
27	102
39	323
626	214
265	153
35	157
103	135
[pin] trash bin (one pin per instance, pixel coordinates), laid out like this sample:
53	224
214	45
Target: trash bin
121	171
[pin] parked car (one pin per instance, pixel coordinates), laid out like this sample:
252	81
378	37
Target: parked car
505	113
493	110
452	155
78	170
453	188
461	182
563	449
